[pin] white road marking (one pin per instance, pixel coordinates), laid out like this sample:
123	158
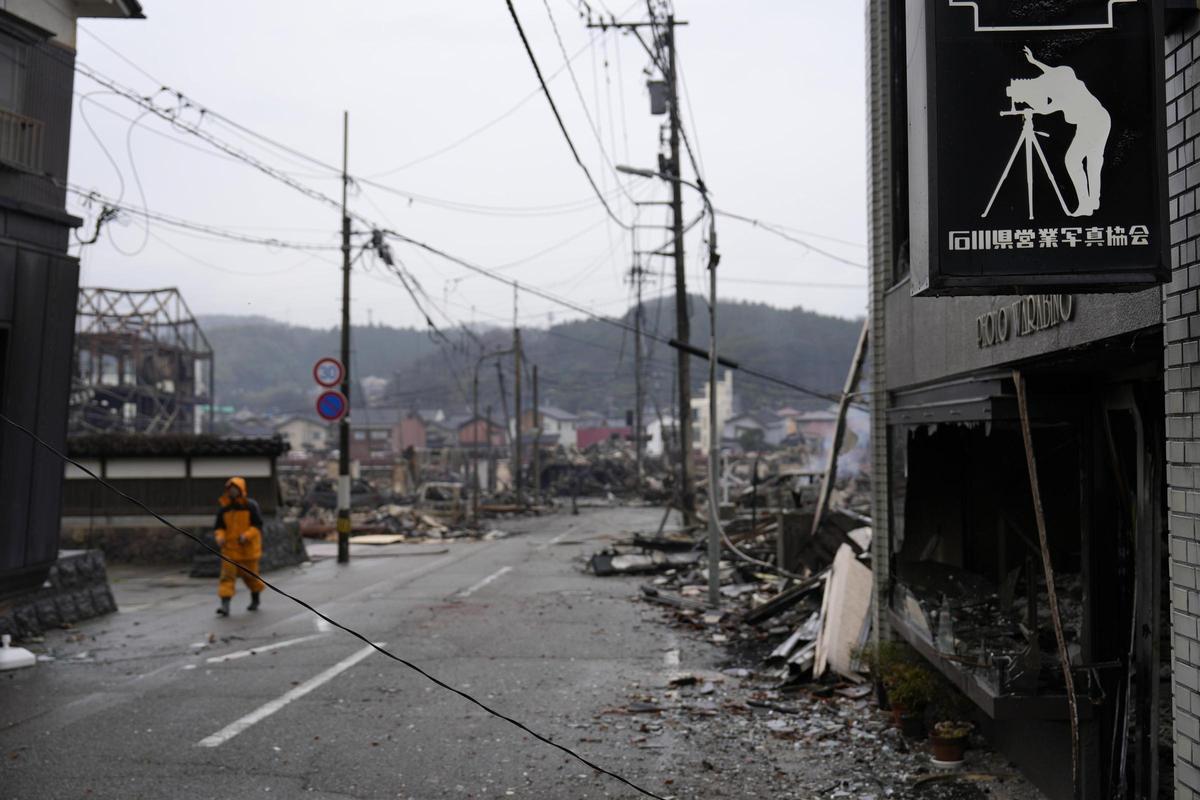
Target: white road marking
262	712
671	659
322	625
554	541
473	589
267	648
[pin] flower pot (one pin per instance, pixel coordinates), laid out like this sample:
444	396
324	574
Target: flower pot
912	725
898	711
947	749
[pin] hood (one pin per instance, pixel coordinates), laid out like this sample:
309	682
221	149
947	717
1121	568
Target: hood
238	482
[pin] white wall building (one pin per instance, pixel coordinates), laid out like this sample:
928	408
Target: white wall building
555	422
304	434
660	432
724	411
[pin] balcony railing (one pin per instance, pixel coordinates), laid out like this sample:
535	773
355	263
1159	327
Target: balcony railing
21	141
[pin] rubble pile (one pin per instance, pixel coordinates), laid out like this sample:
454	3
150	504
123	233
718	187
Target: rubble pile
799	669
821	740
607	469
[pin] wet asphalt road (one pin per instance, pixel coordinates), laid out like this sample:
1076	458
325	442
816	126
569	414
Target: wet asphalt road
142	705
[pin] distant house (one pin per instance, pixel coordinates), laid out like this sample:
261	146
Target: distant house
412	432
559	424
304	434
480	432
604	432
590	419
767	423
372	433
439	433
816	427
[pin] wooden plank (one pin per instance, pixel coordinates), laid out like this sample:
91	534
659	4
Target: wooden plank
845	611
839	431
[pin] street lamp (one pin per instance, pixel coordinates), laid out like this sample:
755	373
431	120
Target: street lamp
714	437
475	432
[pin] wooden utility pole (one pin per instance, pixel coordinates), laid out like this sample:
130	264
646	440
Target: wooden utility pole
537	440
638	393
671	171
491	451
517	449
343	491
683	325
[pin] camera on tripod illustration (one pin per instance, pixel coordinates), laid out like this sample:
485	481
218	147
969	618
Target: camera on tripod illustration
1027	92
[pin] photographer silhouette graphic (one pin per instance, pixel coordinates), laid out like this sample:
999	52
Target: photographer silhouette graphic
1058	89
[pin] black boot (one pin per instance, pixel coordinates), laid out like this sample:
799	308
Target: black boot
224	609
253	602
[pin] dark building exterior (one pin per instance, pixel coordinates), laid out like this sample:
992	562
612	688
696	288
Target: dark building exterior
1112	384
39	281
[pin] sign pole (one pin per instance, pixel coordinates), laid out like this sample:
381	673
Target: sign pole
343	487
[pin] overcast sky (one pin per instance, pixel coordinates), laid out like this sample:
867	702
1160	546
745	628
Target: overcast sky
775	106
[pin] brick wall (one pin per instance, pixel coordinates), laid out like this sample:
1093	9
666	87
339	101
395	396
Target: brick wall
1181	338
879	208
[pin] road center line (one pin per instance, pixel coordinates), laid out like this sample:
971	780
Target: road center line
267	648
262	712
473	589
554	541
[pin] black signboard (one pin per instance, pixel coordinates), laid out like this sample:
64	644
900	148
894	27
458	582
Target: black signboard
1037	146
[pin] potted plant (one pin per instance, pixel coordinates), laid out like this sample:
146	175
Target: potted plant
948	741
911	688
885	662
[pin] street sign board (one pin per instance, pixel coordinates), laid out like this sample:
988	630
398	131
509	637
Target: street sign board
332	405
328	372
1036	146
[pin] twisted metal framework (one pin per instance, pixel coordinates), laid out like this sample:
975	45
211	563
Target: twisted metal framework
142	364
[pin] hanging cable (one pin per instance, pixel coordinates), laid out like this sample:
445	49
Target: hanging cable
558	117
351	631
781	234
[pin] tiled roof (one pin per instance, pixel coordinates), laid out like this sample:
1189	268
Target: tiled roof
172	444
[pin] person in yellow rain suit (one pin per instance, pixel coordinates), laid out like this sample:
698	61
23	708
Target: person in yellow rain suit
239	535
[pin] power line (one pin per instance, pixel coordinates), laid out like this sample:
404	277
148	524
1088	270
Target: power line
558	117
801	284
186	102
579	91
586	311
173	118
770	228
487	125
90	196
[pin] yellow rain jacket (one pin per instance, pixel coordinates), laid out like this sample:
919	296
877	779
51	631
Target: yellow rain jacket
239	535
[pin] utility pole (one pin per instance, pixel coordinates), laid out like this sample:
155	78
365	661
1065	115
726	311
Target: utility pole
637	273
343	489
714	425
682	323
491	451
517	407
537	440
672	171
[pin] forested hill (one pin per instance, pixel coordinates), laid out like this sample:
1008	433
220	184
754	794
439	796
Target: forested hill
587	365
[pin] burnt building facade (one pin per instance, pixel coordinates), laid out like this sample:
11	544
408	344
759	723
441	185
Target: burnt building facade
39	280
1113	389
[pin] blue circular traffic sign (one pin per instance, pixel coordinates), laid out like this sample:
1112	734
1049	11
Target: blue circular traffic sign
331	405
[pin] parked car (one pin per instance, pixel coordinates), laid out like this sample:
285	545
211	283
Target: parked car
323	494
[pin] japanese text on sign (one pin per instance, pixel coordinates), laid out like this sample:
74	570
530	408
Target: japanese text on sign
1050	238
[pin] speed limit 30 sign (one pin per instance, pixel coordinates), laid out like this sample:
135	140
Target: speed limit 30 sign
328	372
